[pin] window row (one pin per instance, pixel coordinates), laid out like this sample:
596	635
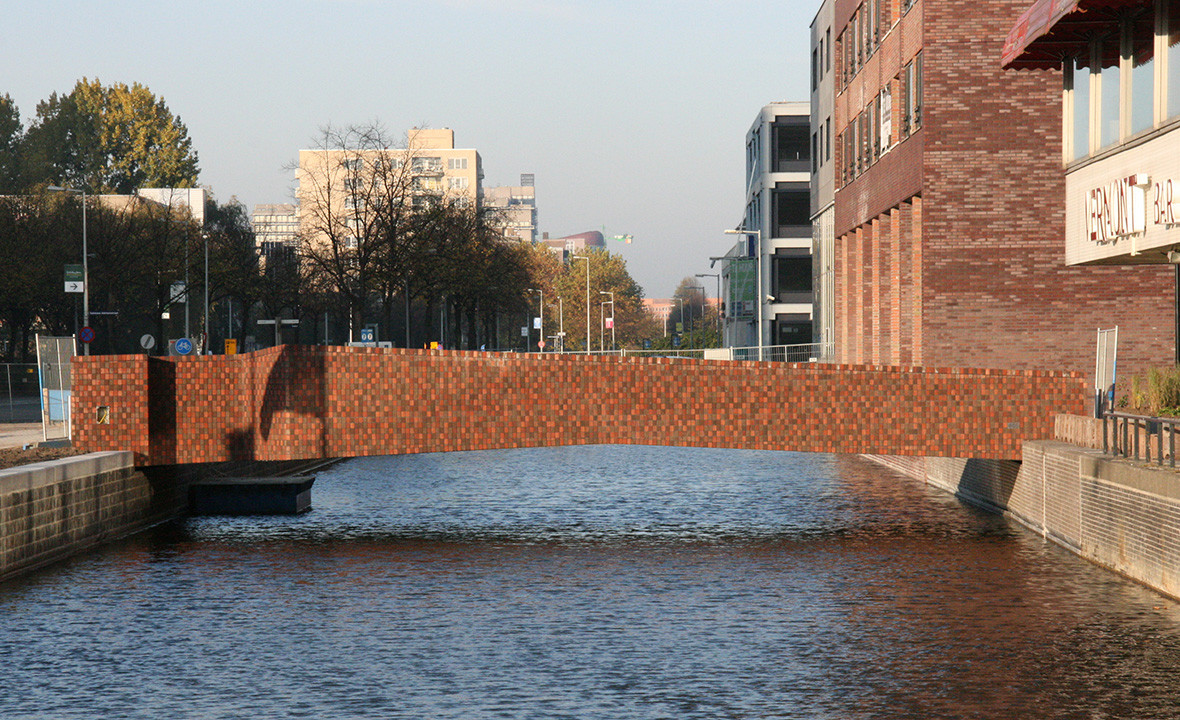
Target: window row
1126	82
861	37
821	145
821	59
872	133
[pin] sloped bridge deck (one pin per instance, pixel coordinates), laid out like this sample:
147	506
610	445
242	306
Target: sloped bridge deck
292	403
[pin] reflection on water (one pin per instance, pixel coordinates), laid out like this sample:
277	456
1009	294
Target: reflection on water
593	582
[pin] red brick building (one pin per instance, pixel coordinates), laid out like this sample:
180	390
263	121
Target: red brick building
950	203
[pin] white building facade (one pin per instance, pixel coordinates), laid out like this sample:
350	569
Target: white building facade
768	274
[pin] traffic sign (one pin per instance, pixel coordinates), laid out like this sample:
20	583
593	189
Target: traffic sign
184	346
86	334
74	279
147	342
367	335
541	344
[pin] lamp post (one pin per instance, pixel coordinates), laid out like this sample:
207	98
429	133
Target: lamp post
205	335
718	276
691	317
758	304
561	325
610	302
587	259
541	317
85	264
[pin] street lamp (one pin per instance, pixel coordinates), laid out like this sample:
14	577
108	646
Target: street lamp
602	307
205	335
541	347
587	259
691	317
718	276
561	325
758	239
85	264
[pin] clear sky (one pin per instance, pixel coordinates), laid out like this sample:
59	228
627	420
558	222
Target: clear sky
632	115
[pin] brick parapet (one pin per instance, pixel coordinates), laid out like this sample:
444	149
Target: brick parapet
299	402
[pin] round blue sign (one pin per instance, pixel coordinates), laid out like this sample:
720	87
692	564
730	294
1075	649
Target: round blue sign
184	346
86	334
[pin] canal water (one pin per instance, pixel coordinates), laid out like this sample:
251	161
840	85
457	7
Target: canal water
591	582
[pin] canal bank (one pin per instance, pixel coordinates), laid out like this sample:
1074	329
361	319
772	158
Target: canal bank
1120	514
55	509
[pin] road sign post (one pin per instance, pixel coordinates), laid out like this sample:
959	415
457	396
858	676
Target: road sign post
75	282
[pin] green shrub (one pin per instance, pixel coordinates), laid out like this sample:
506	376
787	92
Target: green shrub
1156	392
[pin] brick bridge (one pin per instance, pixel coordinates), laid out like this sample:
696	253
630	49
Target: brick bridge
290	403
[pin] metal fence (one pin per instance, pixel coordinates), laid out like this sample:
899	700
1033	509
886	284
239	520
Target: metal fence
19	402
1127	435
54	355
773	353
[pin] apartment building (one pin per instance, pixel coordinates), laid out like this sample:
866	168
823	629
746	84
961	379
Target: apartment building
823	179
949	221
516	207
336	186
276	227
775	255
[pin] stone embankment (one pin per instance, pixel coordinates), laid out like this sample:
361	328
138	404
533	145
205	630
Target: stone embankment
54	509
1121	514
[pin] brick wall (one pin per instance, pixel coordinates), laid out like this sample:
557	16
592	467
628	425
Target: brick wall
307	402
975	206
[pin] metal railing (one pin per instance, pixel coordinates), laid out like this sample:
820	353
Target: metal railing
807	352
1123	433
20	400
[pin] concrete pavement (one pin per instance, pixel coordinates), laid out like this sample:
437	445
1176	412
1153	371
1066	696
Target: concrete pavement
18	435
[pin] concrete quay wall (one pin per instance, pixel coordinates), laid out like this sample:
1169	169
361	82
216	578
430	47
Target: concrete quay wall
55	509
1120	515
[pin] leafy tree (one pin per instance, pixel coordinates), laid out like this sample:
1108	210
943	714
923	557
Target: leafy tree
11	138
113	139
608	272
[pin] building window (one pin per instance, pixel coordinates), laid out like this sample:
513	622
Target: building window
1142	51
789	148
828	144
1173	56
910	81
885	128
792	212
792	276
1078	92
814	69
814	153
457	183
427	164
1109	75
828	36
457	164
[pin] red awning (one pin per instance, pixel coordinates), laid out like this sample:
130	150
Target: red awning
1052	29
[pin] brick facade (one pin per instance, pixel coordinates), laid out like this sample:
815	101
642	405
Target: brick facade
291	403
971	209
